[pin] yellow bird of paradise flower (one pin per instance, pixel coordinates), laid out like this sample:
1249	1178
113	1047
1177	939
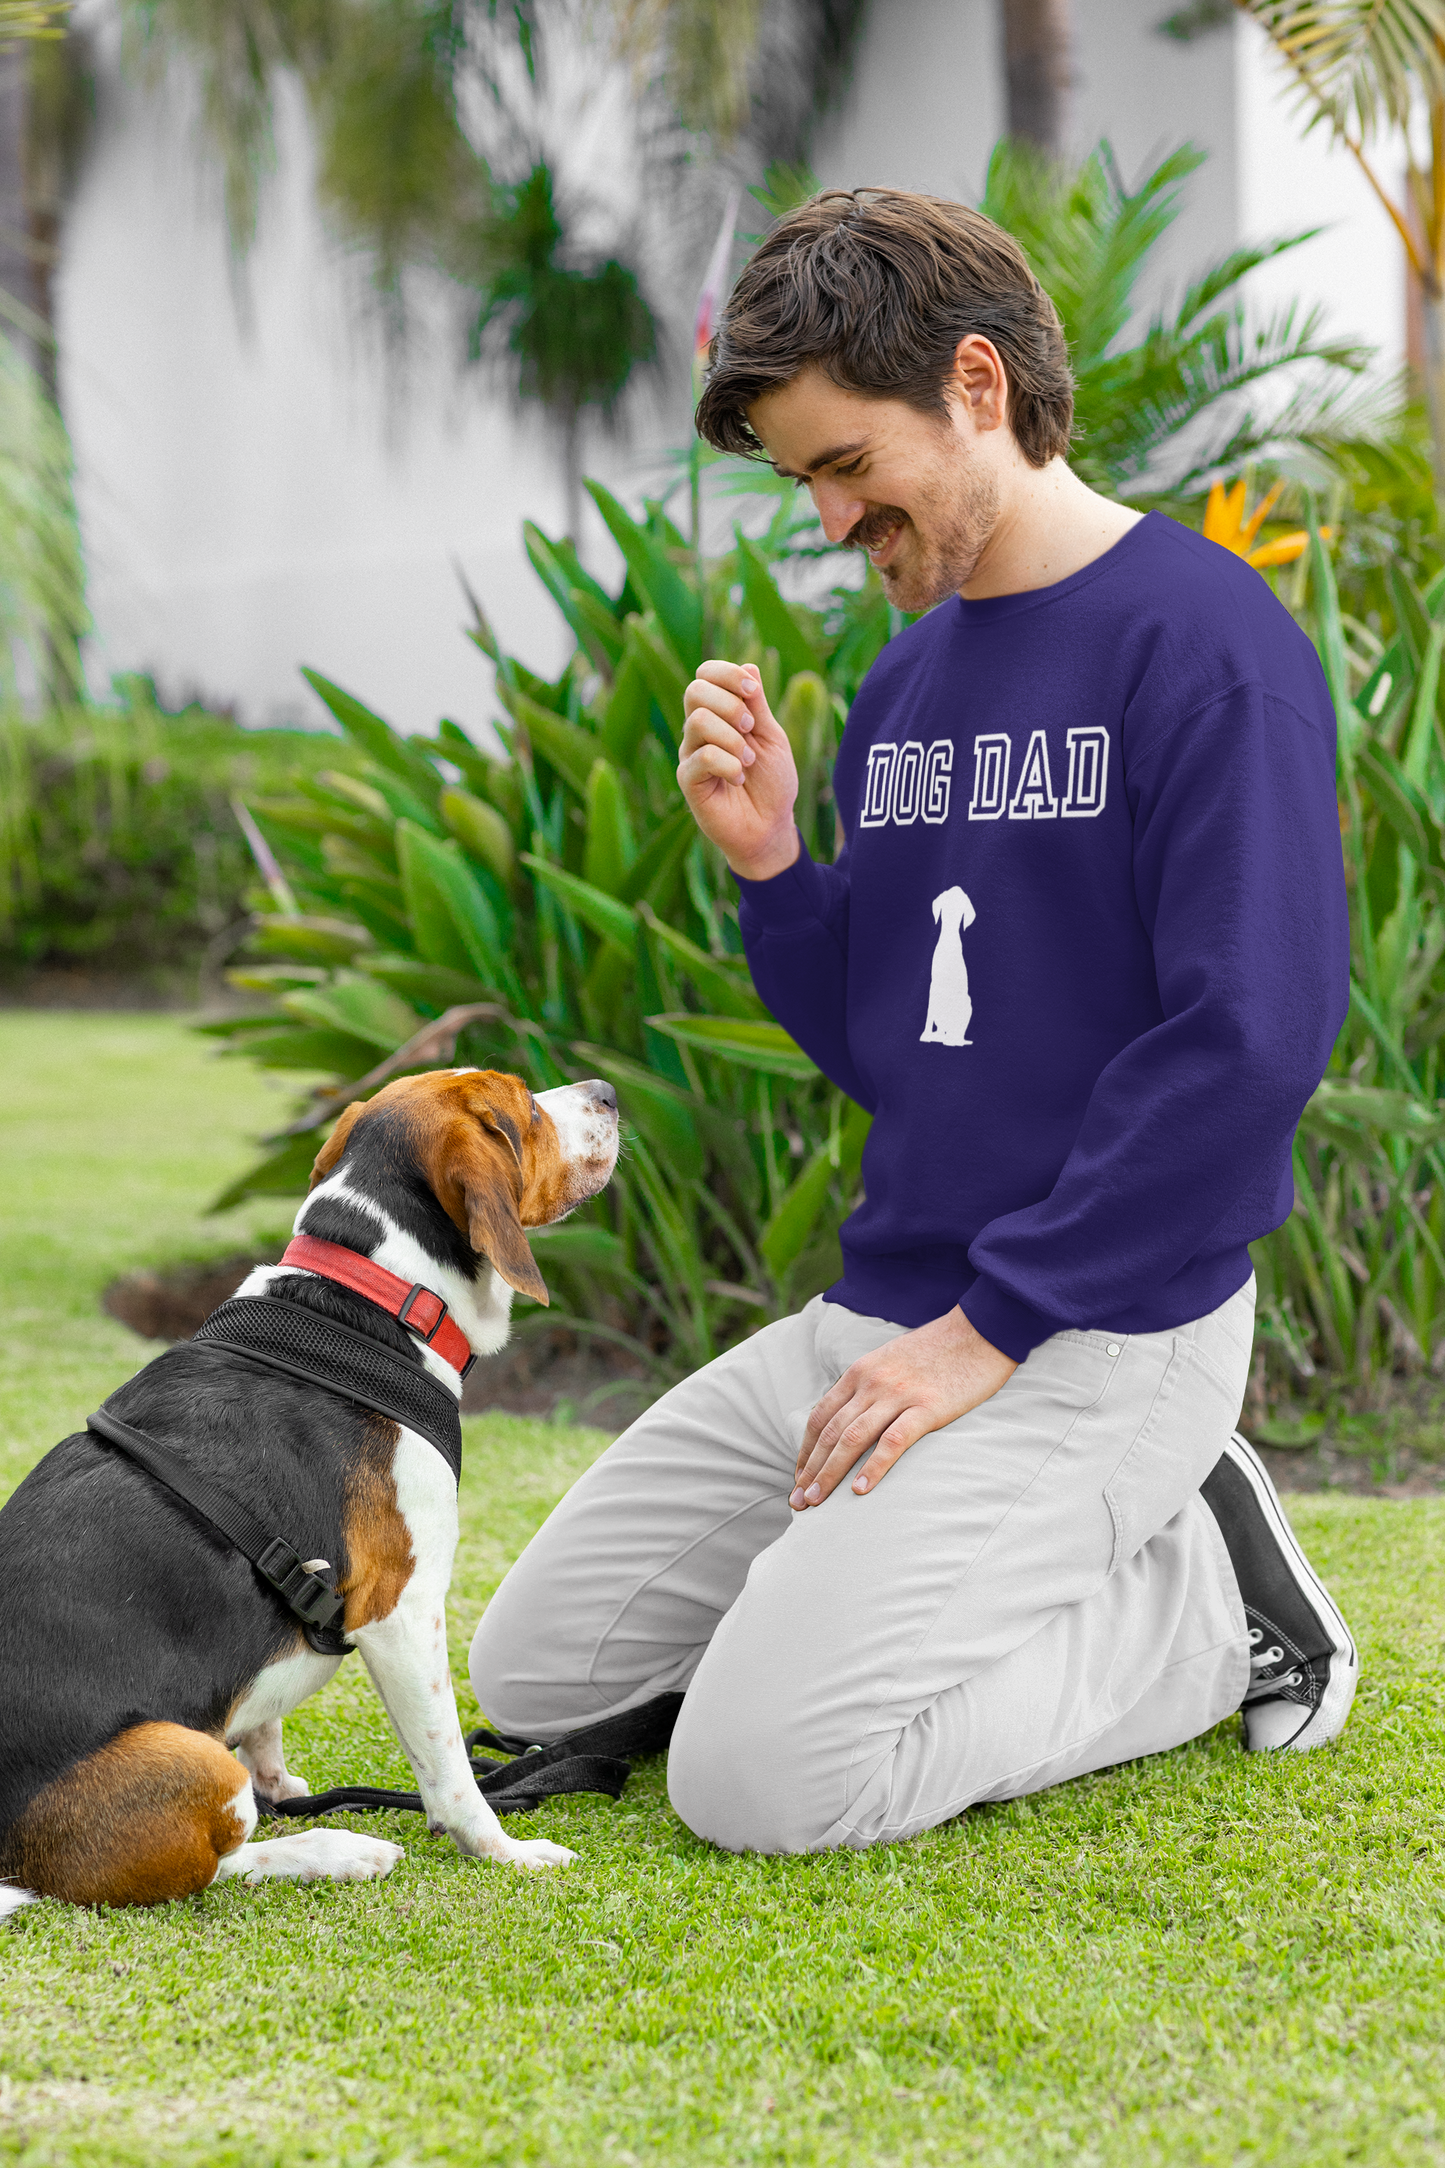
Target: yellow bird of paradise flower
1225	523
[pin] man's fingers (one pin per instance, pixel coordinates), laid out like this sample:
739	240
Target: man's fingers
831	1460
836	1397
710	764
903	1431
733	677
704	698
704	728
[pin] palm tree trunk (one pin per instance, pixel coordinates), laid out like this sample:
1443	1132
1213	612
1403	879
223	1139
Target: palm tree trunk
1432	324
1038	70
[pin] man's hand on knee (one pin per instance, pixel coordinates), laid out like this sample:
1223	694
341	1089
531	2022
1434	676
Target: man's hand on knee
892	1398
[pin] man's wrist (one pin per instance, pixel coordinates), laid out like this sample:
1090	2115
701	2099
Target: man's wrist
766	864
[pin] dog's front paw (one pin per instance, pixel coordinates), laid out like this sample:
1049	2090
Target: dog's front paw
537	1852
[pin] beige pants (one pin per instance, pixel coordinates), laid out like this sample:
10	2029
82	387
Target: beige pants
1034	1592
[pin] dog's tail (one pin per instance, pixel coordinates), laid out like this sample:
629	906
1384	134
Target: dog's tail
11	1899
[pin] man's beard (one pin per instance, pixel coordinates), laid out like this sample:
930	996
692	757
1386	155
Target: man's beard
943	546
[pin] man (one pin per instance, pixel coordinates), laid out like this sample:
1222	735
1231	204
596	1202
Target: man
974	1522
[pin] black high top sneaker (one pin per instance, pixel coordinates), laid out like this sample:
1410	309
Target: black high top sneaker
1303	1663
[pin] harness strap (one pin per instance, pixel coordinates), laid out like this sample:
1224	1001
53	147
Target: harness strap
312	1601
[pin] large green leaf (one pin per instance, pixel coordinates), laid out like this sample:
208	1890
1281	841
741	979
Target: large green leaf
306	1046
357	1003
624	719
775	623
480	829
751	1045
282	1173
574	603
785	1234
666	681
1405	807
385	745
727	990
611	848
594	1249
1336	1110
614	921
677	606
655	870
434	984
607	634
310	940
450	913
561	744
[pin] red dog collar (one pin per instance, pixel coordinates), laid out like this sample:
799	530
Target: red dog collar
419	1308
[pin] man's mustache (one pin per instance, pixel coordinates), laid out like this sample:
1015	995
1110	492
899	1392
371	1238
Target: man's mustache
873	528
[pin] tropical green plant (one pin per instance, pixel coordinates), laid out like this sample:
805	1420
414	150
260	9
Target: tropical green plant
1354	1282
571	333
1159	419
556	913
1370	72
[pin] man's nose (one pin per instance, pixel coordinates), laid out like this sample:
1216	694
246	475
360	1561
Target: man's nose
839	508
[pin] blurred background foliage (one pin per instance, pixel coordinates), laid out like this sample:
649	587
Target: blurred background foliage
548	907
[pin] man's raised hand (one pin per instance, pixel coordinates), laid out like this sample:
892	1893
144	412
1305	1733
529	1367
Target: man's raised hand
736	770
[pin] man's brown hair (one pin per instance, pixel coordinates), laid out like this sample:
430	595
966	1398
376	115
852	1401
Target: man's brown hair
876	288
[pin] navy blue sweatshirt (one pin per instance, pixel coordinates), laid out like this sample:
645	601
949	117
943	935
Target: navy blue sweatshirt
1086	952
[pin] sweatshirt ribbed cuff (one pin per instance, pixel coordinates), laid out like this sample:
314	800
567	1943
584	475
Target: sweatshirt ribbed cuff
1005	1322
788	899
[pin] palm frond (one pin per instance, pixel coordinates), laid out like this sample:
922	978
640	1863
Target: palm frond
1360	62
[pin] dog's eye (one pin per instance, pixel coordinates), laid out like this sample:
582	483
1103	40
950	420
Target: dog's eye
536	1110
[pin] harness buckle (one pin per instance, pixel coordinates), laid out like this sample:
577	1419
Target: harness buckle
403	1315
312	1600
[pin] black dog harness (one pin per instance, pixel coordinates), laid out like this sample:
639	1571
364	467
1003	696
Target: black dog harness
282	1336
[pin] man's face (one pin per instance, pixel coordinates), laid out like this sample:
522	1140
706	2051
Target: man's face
917	491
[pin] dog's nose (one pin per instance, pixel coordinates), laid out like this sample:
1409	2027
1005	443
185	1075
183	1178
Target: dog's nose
601	1095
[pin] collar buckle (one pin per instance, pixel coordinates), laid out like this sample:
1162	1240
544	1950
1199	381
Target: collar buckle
418	1325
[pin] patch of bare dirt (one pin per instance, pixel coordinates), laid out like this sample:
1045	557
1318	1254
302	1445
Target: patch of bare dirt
546	1371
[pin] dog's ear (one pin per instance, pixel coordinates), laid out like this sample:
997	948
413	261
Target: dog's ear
335	1144
937	910
490	1181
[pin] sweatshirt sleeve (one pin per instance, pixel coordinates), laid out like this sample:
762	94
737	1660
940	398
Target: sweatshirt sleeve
1239	881
795	931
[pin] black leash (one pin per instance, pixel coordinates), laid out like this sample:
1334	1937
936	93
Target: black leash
585	1761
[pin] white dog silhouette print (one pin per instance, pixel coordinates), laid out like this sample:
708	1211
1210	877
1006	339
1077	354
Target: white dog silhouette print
949	1006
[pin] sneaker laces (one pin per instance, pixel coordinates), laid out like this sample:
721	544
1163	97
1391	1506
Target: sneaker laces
1264	1681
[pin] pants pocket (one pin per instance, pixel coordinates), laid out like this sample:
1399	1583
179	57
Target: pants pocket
1184	1433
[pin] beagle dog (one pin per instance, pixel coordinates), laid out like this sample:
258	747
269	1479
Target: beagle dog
137	1648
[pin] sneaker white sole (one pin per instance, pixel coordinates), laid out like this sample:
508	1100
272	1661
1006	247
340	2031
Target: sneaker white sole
1270	1726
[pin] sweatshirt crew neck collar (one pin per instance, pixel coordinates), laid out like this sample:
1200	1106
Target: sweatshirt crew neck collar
989	609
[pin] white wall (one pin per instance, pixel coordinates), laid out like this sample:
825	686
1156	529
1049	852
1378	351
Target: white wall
250	495
1289	182
252	499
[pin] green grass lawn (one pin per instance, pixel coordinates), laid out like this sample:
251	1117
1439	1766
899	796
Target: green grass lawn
1200	1958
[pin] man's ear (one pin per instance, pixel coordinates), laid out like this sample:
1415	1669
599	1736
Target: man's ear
335	1144
494	1222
